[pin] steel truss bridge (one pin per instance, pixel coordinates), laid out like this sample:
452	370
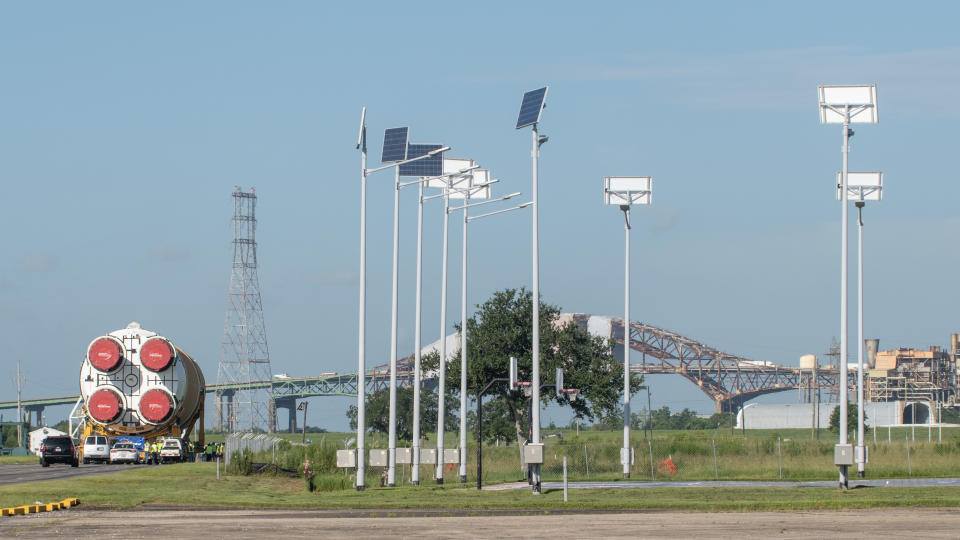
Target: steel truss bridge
728	379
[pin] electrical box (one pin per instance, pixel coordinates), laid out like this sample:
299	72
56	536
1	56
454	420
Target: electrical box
404	456
843	454
861	454
347	459
428	456
451	455
533	453
378	458
626	456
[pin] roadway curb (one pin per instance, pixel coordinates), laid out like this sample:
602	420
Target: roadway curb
35	508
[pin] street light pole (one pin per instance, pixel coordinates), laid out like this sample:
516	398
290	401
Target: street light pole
415	468
535	378
392	431
361	347
843	105
842	382
861	448
626	344
442	384
463	347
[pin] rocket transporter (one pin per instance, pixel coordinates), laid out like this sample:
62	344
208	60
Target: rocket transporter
135	382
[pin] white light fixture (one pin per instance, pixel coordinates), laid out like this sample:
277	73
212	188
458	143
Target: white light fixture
860	99
630	190
861	186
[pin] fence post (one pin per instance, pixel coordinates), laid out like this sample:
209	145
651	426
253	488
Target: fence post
650	444
906	440
888	433
564	478
779	458
716	470
218	468
586	460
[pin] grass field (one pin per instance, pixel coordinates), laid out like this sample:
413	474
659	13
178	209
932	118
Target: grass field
195	484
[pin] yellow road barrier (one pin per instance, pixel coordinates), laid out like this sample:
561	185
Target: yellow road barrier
34	508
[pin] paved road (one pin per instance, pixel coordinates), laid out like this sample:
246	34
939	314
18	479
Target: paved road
19	474
244	524
852	483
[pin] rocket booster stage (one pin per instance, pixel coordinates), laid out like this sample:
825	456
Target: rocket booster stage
136	382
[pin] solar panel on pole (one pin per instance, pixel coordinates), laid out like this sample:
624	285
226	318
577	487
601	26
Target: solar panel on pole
431	166
395	144
530	108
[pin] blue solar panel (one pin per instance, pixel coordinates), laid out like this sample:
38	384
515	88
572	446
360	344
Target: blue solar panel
395	144
531	107
431	166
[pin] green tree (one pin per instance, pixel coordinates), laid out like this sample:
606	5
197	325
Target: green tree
851	419
502	327
378	413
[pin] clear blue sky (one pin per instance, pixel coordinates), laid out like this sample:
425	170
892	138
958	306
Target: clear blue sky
124	127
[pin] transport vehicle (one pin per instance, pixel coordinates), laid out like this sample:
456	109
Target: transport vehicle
59	449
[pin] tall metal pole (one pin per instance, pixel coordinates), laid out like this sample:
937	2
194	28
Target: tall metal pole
392	431
535	379
842	379
19	410
463	349
415	469
626	345
361	348
861	448
442	385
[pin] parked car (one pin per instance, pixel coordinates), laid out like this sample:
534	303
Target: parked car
96	448
59	449
123	452
172	450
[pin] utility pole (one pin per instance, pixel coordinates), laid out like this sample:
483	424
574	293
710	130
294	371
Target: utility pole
19	410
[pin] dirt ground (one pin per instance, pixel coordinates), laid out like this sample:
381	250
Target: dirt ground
243	524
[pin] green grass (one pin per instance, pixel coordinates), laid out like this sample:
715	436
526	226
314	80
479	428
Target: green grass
196	484
18	459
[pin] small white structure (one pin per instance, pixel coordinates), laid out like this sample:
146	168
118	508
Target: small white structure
38	435
800	415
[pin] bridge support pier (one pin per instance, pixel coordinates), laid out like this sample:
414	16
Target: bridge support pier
290	404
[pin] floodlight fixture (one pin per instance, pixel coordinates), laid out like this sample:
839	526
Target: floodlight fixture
362	136
861	186
629	190
473	185
854	104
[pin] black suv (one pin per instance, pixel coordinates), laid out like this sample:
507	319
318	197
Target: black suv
59	449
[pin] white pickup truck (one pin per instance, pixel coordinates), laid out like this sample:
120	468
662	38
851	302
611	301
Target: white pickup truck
173	450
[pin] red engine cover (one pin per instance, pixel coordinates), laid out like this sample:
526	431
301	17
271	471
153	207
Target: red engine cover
104	406
156	354
155	406
105	354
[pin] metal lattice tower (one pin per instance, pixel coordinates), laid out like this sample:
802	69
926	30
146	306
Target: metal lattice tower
244	356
